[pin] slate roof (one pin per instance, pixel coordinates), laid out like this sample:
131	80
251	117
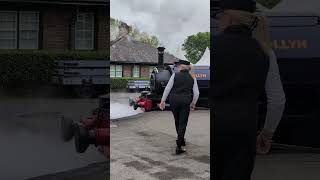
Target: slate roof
131	51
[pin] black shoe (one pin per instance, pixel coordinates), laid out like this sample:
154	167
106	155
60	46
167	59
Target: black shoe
180	150
183	143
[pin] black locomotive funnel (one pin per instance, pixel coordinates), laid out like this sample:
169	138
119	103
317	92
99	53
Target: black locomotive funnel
160	57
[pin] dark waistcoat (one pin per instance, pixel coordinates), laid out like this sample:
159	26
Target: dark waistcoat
240	68
181	91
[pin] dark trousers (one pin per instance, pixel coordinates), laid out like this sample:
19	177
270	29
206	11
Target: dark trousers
234	140
235	163
181	113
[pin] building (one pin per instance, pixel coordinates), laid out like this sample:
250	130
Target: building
130	58
54	24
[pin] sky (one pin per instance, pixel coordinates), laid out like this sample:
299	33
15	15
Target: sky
170	20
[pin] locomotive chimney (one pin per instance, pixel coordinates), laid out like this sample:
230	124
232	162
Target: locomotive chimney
160	57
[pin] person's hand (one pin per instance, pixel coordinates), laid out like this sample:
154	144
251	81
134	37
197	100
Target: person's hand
192	106
162	105
264	142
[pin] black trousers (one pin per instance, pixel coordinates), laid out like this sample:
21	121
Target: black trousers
234	163
234	140
181	113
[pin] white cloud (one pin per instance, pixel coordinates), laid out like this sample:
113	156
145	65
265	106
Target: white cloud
170	20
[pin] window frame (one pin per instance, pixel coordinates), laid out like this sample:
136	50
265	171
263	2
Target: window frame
17	28
93	31
138	69
114	70
37	30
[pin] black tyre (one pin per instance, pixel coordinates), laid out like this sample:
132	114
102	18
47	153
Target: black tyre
81	139
67	129
131	102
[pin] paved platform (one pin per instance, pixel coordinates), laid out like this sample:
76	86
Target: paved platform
287	165
143	148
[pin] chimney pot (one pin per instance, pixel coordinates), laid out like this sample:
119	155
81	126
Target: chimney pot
160	57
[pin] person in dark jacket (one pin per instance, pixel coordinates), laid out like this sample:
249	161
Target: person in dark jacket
183	92
240	67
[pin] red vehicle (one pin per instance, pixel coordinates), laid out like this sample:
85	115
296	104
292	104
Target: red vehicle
94	130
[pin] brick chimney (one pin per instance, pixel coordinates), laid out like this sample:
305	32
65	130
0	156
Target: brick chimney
124	30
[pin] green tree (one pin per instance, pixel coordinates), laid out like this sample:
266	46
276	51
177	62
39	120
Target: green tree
135	33
151	40
195	45
114	24
268	3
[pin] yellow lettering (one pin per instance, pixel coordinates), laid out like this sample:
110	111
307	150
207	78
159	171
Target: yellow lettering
284	45
292	43
289	44
201	75
275	44
303	44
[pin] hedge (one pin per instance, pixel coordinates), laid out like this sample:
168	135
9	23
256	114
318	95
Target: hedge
18	67
121	83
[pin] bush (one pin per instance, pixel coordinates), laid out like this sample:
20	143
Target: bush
20	67
121	83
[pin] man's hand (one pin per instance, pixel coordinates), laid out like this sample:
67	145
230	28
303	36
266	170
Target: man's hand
192	106
264	142
162	105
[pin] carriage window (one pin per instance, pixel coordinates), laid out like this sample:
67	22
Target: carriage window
84	32
136	71
8	30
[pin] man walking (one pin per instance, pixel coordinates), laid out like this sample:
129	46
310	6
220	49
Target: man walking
183	93
240	66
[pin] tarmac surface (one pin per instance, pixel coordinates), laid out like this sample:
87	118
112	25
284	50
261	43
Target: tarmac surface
143	146
287	166
31	145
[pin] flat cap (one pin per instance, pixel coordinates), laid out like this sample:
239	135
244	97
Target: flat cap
183	62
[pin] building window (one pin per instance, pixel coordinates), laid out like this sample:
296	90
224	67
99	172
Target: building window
112	71
8	30
136	71
84	32
27	29
116	71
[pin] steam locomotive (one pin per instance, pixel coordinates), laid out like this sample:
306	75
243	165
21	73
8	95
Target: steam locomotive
149	100
295	39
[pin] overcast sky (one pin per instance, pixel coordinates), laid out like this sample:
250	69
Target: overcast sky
170	20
